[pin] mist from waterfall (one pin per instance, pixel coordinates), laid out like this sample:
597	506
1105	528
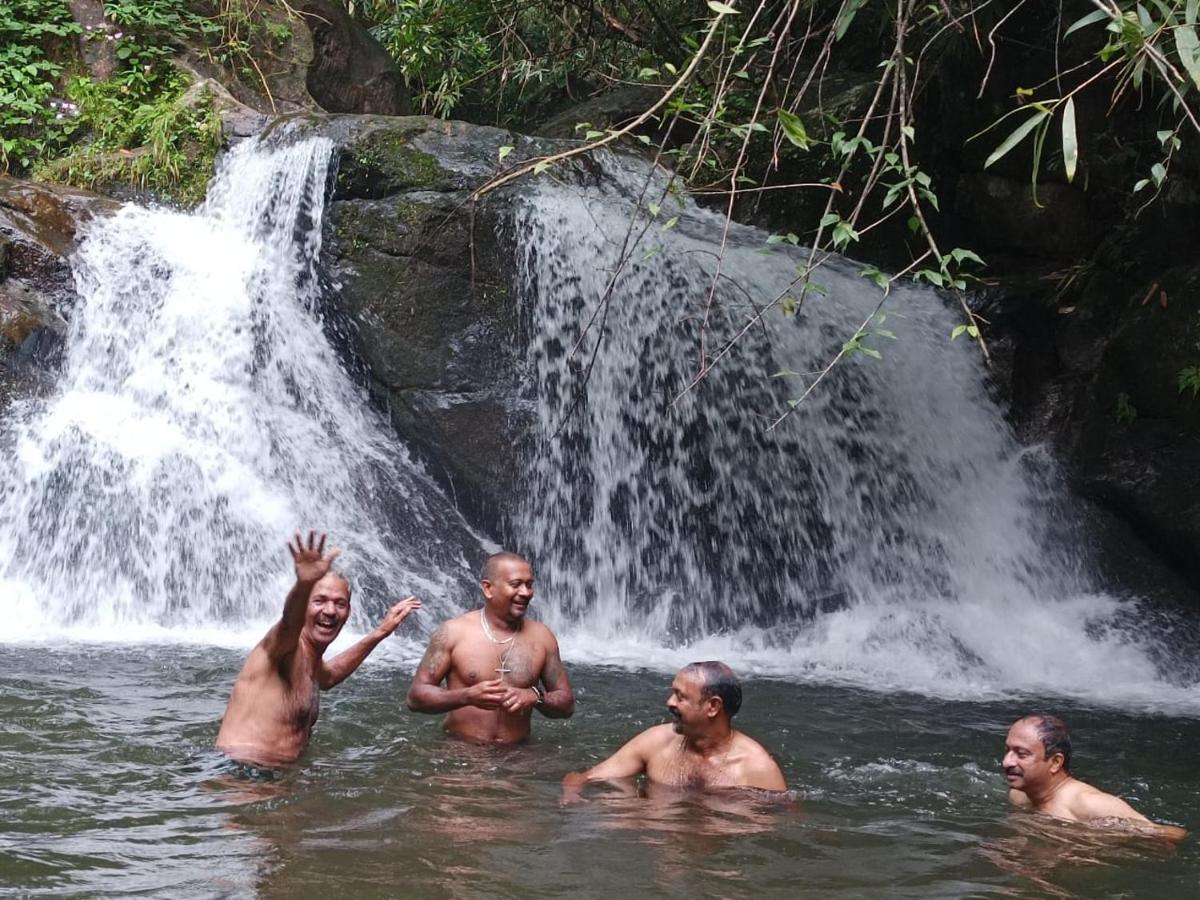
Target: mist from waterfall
889	533
202	415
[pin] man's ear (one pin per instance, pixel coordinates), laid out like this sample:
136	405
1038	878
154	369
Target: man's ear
486	587
1056	762
713	706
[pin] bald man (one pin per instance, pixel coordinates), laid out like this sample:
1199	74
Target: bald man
490	668
701	748
277	696
1037	764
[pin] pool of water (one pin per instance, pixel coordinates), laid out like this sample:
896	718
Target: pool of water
109	786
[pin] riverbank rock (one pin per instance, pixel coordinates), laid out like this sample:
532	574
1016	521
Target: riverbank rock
38	224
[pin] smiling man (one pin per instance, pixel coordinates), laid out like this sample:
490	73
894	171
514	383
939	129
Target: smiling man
277	695
1037	766
700	748
491	667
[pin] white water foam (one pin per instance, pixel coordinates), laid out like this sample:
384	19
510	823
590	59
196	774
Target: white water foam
890	535
202	415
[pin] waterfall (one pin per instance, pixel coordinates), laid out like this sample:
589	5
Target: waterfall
890	532
201	416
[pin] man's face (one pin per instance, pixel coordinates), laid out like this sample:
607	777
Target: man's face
328	609
509	592
686	705
1025	763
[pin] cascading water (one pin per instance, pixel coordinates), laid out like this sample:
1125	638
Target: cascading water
201	416
890	532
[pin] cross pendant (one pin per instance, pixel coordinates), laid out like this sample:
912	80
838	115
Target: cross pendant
502	670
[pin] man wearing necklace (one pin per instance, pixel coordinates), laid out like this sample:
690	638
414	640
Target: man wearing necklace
491	667
701	748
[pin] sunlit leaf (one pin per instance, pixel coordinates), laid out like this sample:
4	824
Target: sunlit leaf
1070	142
1018	135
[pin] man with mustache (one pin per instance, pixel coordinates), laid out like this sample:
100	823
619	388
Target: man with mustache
497	666
701	748
1037	763
277	695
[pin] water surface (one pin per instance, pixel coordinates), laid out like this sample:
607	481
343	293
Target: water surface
108	786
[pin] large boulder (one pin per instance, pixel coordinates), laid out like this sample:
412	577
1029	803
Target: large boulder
425	276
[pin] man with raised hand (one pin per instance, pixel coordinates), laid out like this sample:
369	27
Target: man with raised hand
277	695
490	668
701	749
1037	765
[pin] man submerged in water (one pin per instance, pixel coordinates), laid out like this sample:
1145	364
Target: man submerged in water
1037	763
492	660
701	748
277	695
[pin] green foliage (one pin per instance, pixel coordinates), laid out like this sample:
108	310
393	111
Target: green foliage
32	122
1126	413
1188	379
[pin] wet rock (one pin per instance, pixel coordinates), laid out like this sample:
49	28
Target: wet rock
38	224
425	277
1003	213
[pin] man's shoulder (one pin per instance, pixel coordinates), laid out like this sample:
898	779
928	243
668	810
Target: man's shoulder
750	746
540	632
1088	802
658	736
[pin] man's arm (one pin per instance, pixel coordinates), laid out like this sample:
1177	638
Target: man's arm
1019	799
627	762
341	666
311	566
1098	807
427	694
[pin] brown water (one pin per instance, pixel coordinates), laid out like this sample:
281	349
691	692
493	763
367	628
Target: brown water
108	786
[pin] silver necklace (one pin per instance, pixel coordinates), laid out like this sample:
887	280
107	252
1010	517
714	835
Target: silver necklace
487	633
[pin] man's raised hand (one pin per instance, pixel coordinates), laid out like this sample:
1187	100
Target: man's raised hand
397	614
311	562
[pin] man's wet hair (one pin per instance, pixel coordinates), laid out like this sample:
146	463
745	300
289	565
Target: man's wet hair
344	579
718	680
1052	732
492	562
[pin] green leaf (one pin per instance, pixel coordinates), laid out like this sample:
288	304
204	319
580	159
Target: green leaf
794	130
1141	184
647	72
541	167
959	254
654	209
1069	139
973	330
1188	46
957	332
846	17
670	223
871	352
723	9
1016	137
504	151
592	135
1098	15
1158	172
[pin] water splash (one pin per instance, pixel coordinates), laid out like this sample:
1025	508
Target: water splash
890	533
201	416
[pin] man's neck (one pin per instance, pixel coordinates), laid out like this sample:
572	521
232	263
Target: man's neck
501	627
311	648
1045	796
712	743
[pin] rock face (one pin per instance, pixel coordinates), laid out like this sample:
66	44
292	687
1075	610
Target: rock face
425	279
37	232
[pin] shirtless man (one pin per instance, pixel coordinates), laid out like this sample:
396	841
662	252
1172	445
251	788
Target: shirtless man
701	749
492	660
277	695
1037	761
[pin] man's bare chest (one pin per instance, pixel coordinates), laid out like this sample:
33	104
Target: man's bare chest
519	662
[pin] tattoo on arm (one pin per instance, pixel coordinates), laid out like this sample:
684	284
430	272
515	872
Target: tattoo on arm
436	660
